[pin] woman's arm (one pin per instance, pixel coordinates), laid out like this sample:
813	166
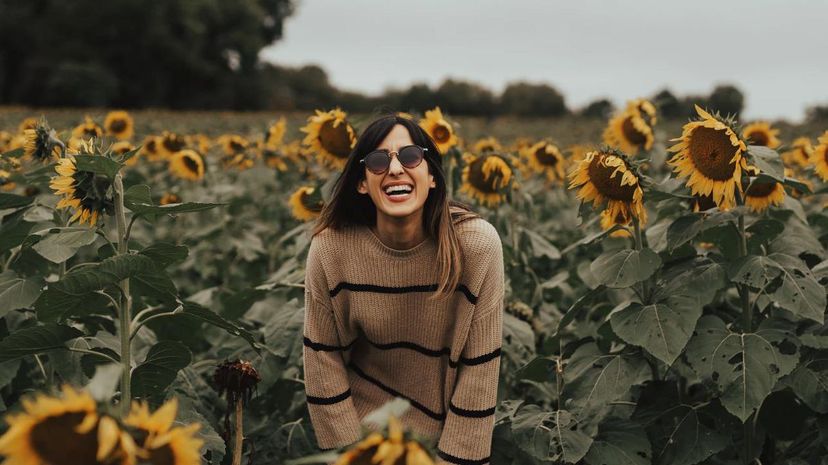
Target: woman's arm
332	411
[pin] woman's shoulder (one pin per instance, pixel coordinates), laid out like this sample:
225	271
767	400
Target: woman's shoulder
477	237
329	241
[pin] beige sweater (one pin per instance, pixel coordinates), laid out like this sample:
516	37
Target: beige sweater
371	335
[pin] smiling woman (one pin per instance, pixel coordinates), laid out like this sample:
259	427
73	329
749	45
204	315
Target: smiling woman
403	298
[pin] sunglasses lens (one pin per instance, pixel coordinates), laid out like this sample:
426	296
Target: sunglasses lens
376	161
411	156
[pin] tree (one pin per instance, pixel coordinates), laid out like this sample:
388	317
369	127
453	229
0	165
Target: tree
601	108
668	105
525	99
465	98
727	100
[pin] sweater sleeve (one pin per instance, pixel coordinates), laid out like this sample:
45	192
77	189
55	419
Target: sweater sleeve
332	412
467	433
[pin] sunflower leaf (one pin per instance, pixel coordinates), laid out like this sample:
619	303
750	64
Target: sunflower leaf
98	164
152	377
623	268
594	379
13	201
16	153
61	244
17	292
768	161
619	442
549	435
165	254
36	340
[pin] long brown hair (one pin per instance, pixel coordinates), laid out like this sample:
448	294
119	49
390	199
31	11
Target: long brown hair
347	207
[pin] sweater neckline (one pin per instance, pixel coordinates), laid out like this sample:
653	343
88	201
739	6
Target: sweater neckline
383	249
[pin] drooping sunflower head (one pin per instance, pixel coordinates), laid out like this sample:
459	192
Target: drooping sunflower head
645	108
119	124
799	154
151	148
487	144
170	143
547	159
276	134
761	133
87	193
629	132
391	449
440	130
237	380
710	155
187	164
487	178
761	194
607	176
65	430
306	203
330	136
819	157
87	129
41	144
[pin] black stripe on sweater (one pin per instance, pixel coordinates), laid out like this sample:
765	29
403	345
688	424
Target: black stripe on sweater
354	287
431	413
479	359
329	400
471	413
324	347
460	461
413	346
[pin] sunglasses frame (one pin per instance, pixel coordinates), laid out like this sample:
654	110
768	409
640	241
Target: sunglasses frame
388	154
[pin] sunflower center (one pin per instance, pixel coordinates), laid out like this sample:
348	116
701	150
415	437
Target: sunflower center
545	158
759	138
90	131
191	164
118	126
711	152
488	180
441	133
162	456
312	204
236	146
152	146
599	175
760	189
56	441
173	143
704	202
335	140
631	133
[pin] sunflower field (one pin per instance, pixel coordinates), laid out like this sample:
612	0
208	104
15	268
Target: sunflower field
665	294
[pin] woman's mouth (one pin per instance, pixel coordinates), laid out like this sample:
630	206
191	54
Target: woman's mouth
399	192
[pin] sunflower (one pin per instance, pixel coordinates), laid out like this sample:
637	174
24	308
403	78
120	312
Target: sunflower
629	132
711	155
487	144
645	109
89	194
486	177
761	195
819	158
65	430
439	129
162	443
202	142
187	164
608	221
151	148
87	129
607	175
169	198
761	133
41	143
306	203
701	203
799	154
275	135
121	148
119	124
27	123
545	158
330	136
391	450
170	143
273	157
232	144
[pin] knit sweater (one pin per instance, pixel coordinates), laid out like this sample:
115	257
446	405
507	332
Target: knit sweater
372	335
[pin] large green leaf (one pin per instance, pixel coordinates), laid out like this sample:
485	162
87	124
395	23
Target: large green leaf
61	244
744	366
594	379
165	254
13	230
810	383
98	165
198	312
664	327
623	268
768	161
619	442
549	436
36	340
683	229
13	200
17	292
690	440
151	378
139	201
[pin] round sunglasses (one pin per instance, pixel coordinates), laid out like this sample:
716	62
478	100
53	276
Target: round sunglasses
378	161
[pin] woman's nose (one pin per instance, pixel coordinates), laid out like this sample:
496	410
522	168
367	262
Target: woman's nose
395	167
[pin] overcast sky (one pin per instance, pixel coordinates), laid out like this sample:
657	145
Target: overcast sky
774	51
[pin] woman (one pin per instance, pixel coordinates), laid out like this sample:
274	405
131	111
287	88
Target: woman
403	297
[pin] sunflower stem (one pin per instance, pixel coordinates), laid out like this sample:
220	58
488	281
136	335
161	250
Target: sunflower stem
645	285
237	446
744	292
125	318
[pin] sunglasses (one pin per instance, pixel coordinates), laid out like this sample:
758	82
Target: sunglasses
379	160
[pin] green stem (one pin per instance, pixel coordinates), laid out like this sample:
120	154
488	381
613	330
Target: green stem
744	292
125	318
645	285
237	447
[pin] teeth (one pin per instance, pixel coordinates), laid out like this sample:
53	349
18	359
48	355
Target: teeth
398	189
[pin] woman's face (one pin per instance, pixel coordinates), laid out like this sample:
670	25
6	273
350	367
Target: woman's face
419	179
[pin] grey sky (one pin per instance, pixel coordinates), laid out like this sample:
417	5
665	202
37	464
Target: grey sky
774	51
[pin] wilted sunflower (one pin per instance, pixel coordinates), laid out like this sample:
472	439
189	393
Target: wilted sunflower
27	123
819	158
65	430
87	129
711	155
187	164
330	136
162	443
608	221
89	194
761	133
607	176
393	450
306	203
170	143
546	158
41	143
486	177
151	148
761	195
275	134
169	198
799	154
439	129
487	144
645	108
629	132
119	124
